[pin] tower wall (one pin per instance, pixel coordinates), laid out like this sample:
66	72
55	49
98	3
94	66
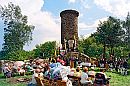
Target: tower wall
69	26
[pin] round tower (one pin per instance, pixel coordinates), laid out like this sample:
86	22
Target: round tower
69	29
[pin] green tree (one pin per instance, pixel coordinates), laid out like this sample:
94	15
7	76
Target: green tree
17	55
126	25
45	50
16	31
80	44
109	33
89	46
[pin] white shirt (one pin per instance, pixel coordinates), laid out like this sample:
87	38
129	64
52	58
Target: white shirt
84	77
21	71
33	78
6	69
91	73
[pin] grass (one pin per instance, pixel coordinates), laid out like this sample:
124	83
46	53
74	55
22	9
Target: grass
13	80
116	80
4	82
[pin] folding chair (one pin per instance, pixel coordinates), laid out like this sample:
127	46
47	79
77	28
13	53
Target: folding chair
46	82
63	83
39	81
76	80
58	83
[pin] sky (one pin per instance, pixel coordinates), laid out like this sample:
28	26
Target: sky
45	16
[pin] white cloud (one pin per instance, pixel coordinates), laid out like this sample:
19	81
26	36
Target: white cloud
84	4
118	8
47	27
84	26
90	28
72	1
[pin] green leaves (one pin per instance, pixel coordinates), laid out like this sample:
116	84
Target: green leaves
109	32
48	49
16	31
126	25
108	39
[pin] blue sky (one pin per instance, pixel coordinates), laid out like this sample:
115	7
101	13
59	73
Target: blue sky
45	16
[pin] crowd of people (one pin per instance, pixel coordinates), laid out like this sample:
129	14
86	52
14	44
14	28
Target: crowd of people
86	75
61	68
120	65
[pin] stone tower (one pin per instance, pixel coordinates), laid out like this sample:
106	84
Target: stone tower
69	29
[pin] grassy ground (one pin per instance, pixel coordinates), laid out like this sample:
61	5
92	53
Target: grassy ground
116	80
13	80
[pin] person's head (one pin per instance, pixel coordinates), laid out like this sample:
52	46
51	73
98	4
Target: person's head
78	67
37	70
37	63
41	68
85	69
77	70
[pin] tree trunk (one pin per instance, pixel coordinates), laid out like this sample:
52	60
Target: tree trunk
104	50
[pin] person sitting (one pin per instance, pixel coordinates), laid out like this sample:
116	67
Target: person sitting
77	73
84	77
92	73
78	67
7	71
101	78
22	72
72	71
37	73
47	73
125	67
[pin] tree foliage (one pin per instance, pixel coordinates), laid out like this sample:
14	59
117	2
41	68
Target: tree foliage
45	50
90	47
126	25
16	31
109	33
109	38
